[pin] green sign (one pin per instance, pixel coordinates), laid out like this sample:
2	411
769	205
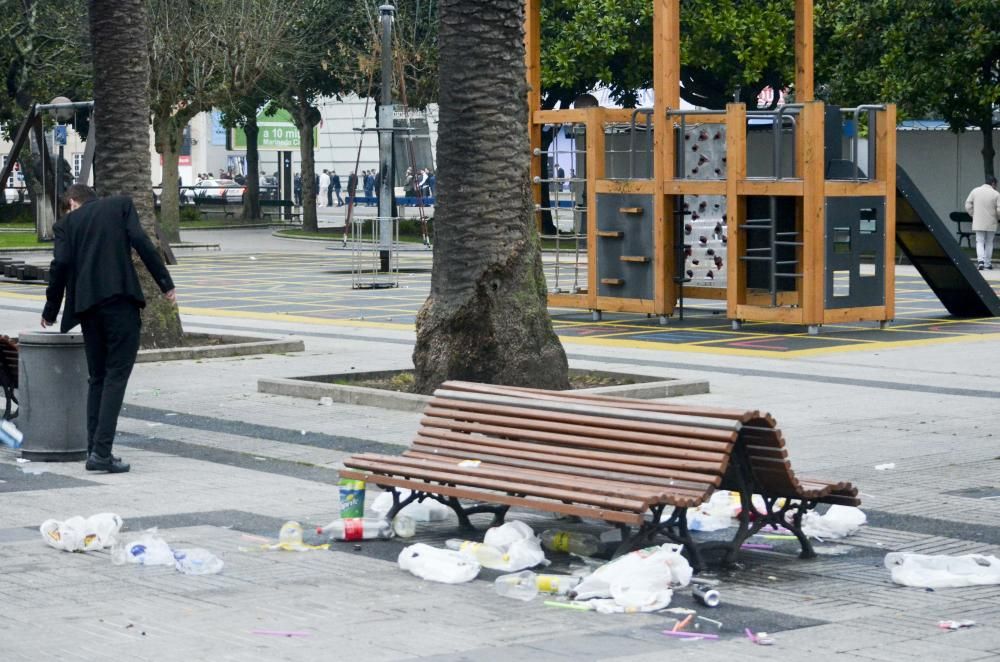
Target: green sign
277	133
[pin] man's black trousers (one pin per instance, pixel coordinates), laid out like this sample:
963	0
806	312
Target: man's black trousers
111	340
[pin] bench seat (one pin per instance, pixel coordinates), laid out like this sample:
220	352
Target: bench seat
631	463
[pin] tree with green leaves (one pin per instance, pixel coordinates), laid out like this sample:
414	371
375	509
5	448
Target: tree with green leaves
932	58
118	30
486	318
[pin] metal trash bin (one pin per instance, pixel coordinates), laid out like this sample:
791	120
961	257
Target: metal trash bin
52	390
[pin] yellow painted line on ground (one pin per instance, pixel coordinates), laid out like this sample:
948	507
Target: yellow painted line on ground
283	317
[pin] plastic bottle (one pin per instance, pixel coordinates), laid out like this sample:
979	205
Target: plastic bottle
487	556
10	435
197	561
520	586
404	526
356	528
582	544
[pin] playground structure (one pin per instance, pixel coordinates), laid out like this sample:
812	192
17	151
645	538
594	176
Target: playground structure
775	212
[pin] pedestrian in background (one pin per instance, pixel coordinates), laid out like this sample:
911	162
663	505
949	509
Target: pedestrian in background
983	205
92	266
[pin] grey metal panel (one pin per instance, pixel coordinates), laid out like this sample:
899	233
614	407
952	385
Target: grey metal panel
854	238
636	240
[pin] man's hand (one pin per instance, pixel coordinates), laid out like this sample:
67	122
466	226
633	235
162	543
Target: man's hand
46	323
171	296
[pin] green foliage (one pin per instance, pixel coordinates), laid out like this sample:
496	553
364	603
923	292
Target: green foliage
932	58
44	53
726	45
591	42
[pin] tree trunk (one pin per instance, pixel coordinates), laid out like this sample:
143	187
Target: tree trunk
121	110
168	137
486	318
251	200
305	121
988	152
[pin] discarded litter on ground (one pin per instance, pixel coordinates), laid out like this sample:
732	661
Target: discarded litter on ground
760	638
641	581
10	435
357	528
147	549
525	585
940	571
289	540
955	625
571	542
837	522
438	565
197	561
885	467
34	469
352	498
78	534
428	510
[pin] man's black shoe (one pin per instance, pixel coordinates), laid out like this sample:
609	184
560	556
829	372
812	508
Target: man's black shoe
90	451
111	464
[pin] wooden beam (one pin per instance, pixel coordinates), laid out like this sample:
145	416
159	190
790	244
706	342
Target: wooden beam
695	187
813	214
667	84
736	170
594	171
885	166
533	65
647	186
803	51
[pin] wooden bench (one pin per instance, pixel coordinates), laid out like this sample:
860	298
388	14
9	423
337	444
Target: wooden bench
8	375
632	463
280	208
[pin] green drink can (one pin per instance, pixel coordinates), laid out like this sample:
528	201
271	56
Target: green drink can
352	498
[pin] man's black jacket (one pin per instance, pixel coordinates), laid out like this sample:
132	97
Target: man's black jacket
92	259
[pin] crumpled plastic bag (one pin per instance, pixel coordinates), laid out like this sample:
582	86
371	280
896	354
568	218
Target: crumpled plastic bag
837	522
518	542
719	512
79	534
147	549
427	510
941	571
639	580
438	565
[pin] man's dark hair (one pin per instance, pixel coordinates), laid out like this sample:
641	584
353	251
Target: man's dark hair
79	192
991	180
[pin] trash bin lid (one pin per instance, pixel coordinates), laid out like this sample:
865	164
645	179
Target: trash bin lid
49	338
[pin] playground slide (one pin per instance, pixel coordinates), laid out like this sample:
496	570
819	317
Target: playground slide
932	249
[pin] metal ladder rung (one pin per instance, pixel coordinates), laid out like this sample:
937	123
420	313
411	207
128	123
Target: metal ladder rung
787	262
788	275
753	258
789	243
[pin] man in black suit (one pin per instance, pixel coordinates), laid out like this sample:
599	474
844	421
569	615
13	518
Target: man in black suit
92	264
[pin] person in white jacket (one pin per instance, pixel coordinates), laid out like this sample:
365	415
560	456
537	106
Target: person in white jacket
983	205
324	184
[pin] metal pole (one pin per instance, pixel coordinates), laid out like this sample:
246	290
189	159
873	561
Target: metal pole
58	190
385	136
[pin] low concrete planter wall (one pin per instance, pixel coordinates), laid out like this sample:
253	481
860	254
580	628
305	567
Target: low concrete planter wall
230	346
309	387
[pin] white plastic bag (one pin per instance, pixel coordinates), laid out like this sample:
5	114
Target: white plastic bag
427	510
522	549
78	534
147	549
643	572
718	513
197	561
503	536
837	522
942	571
438	565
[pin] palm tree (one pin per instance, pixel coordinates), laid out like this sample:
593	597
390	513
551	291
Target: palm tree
121	161
486	318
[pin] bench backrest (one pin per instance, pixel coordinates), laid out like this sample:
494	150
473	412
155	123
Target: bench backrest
686	453
759	441
8	360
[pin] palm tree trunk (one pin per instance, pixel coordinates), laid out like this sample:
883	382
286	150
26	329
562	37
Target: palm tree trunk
118	34
486	318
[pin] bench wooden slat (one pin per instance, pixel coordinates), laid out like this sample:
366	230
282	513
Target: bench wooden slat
607	515
637	419
388	464
677	493
607	400
565	431
543	478
711	474
561	443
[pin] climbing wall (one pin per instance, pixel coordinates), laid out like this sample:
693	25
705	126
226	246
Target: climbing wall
705	225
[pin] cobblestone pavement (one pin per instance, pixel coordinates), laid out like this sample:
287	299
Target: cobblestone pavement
217	465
